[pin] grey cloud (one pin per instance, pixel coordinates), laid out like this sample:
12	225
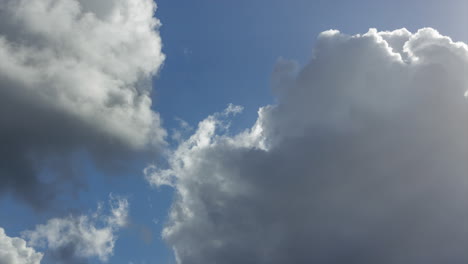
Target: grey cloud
75	76
362	160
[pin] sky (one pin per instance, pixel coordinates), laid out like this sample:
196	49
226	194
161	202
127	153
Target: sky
207	131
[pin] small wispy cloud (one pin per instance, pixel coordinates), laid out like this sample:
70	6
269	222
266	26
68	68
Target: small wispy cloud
76	238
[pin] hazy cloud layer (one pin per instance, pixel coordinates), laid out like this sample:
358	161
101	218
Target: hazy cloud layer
13	250
75	75
77	238
363	160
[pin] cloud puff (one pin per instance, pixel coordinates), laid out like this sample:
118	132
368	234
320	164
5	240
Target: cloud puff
14	251
76	238
74	75
362	160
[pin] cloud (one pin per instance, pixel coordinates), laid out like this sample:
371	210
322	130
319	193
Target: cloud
14	251
362	160
77	238
75	75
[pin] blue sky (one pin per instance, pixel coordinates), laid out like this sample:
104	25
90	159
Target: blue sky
233	46
221	52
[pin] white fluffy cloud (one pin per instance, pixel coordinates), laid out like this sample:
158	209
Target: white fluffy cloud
73	239
362	160
81	237
74	75
13	250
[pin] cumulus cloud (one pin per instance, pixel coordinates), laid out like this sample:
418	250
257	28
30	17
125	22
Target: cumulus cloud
74	75
362	160
77	238
13	250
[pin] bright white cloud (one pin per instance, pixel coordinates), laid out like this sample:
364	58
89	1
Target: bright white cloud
13	250
81	237
74	75
363	160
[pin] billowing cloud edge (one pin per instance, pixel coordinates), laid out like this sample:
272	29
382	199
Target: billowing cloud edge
373	126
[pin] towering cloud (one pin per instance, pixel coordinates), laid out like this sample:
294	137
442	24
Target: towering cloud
362	160
75	75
